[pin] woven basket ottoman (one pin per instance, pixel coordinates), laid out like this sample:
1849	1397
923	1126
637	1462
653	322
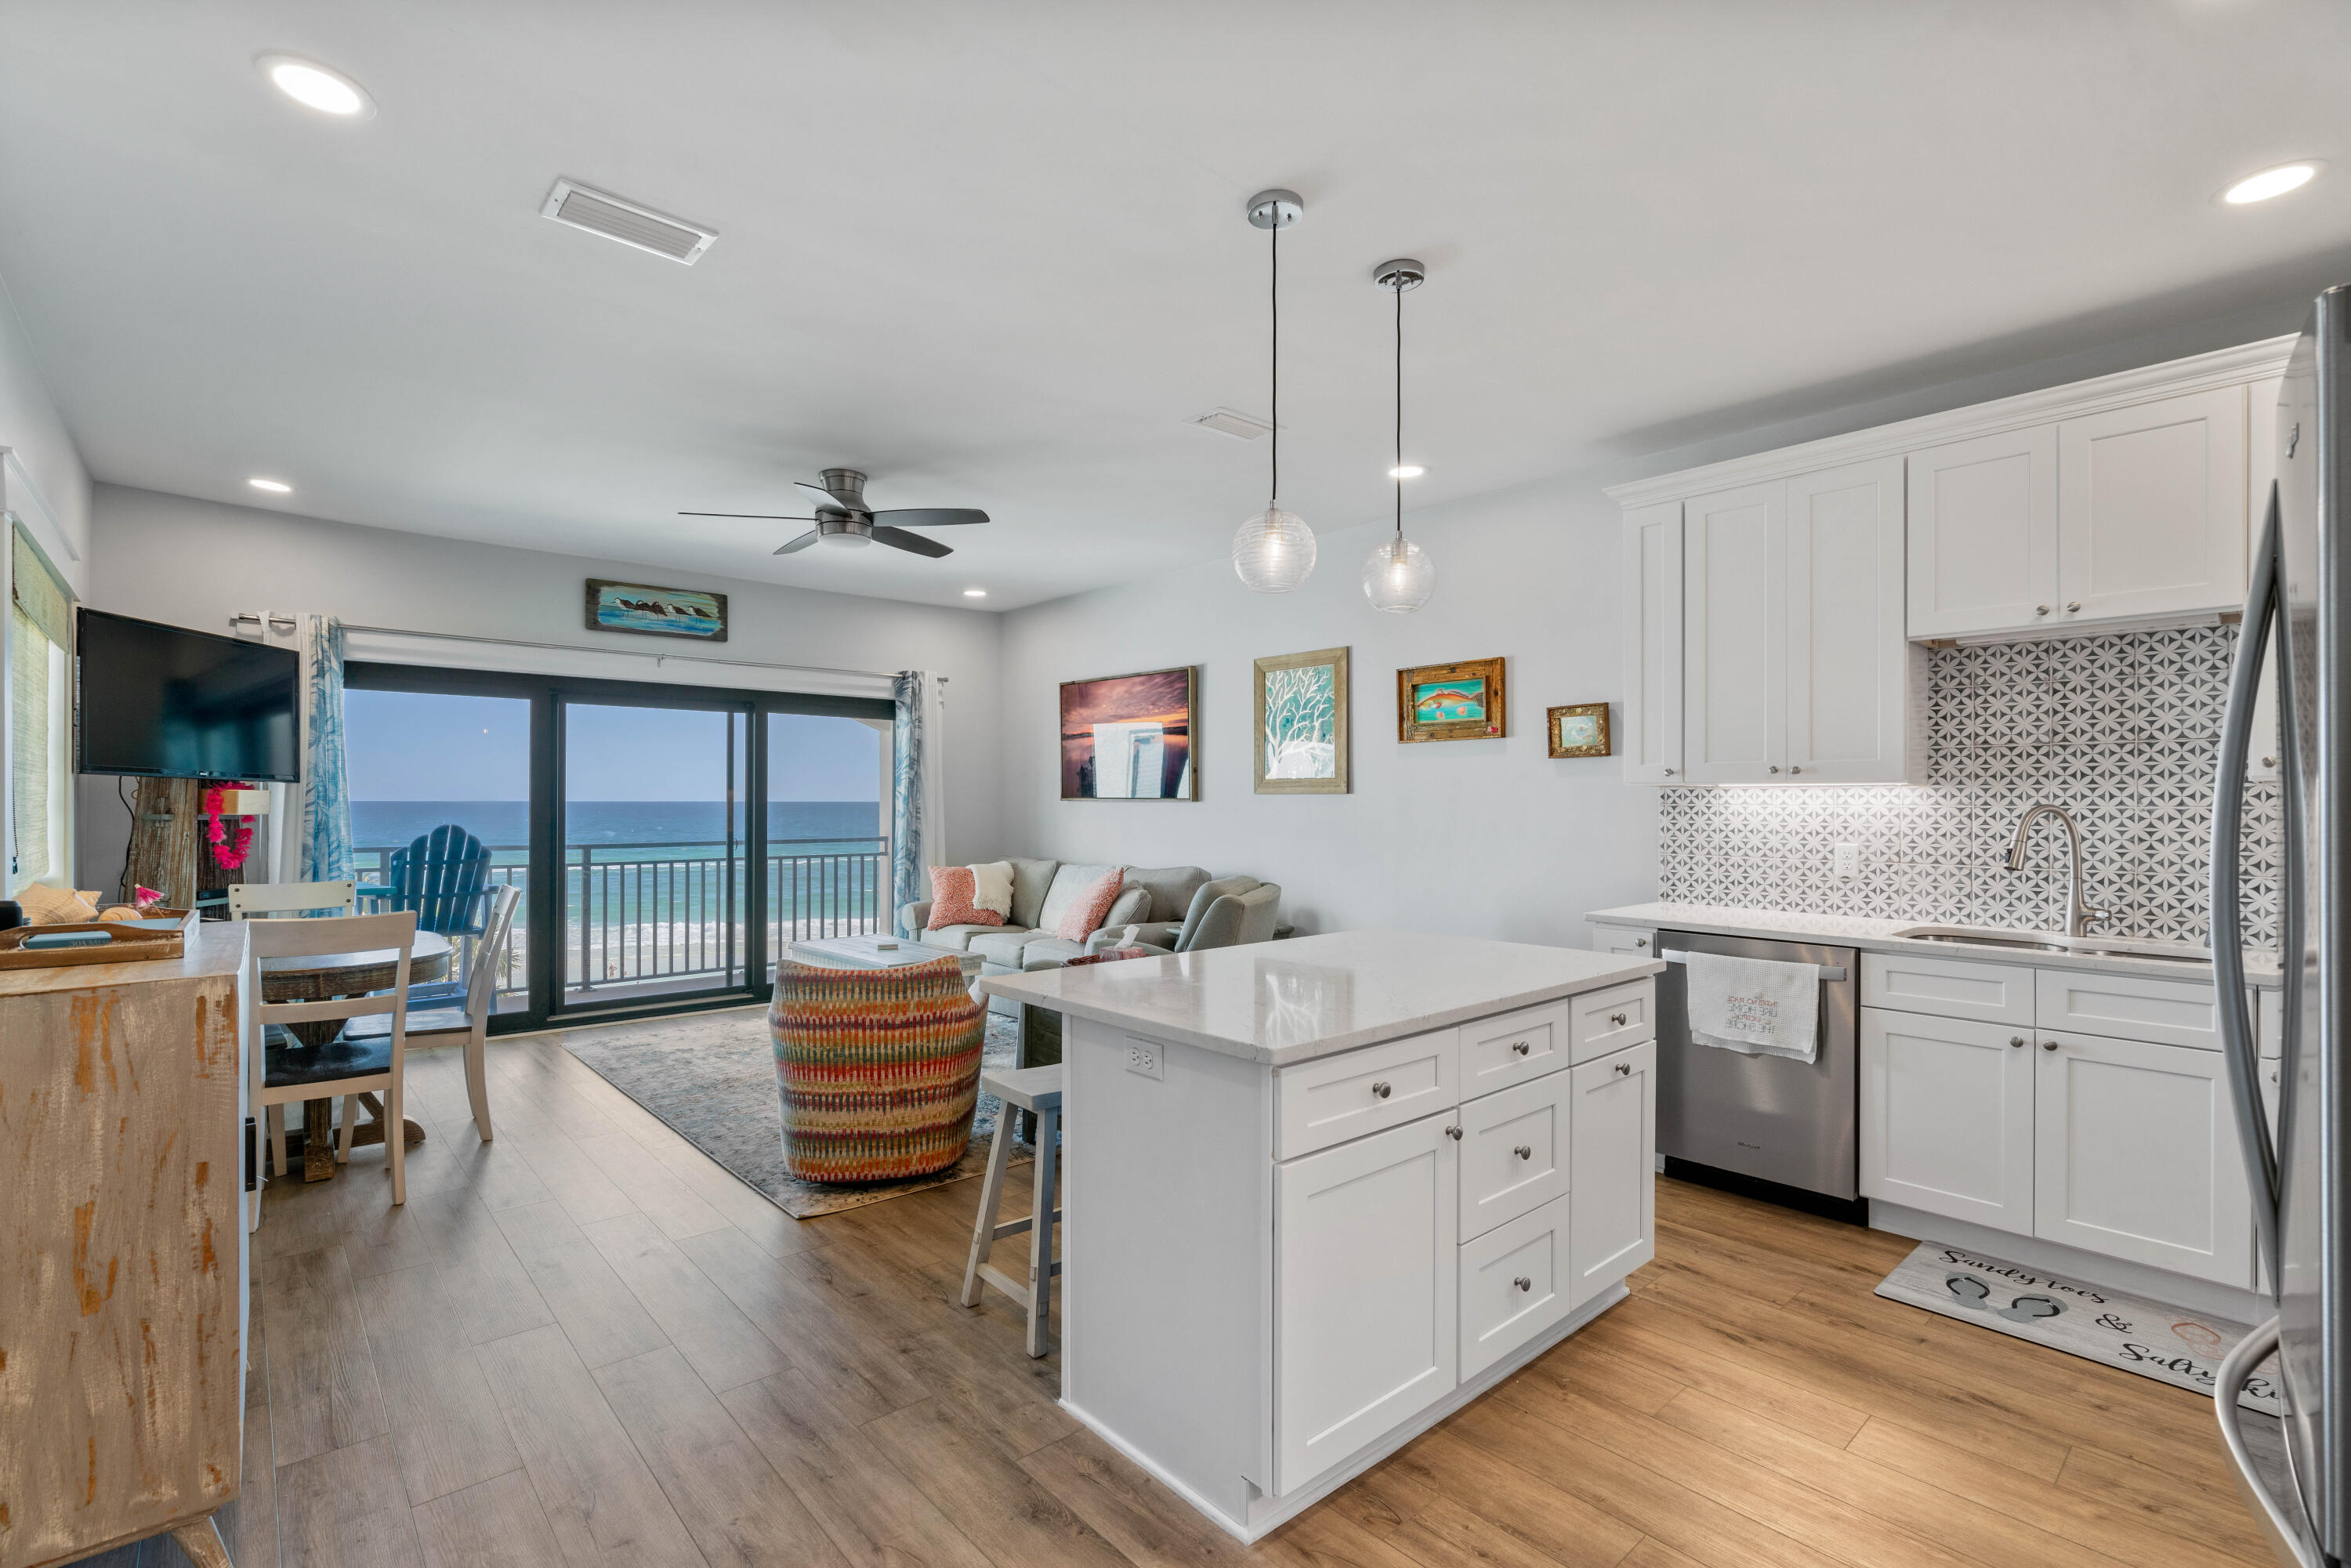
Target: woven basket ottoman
879	1069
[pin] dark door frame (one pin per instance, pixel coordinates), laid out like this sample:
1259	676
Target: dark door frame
543	895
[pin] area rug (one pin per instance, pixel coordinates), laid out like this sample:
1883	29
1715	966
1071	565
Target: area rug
712	1078
2169	1344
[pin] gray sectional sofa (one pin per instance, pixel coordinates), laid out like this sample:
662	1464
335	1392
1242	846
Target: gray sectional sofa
1171	908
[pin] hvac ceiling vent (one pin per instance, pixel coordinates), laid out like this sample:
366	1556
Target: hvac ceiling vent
601	213
1225	422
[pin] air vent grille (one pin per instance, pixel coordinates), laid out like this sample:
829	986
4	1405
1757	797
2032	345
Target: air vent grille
1225	422
601	213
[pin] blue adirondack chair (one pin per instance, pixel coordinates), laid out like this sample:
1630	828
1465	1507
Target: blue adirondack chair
444	877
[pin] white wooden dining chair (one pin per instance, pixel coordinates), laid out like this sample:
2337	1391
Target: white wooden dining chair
285	1071
468	1023
246	900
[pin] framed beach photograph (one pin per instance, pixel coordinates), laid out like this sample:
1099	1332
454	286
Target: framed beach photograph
1451	702
1580	729
1302	724
657	612
1130	737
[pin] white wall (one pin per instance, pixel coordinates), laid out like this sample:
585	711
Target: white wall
198	563
31	426
1482	837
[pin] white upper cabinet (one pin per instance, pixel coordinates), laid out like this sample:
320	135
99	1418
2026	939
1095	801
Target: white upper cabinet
1984	533
2151	508
1652	712
1850	673
1734	700
2260	472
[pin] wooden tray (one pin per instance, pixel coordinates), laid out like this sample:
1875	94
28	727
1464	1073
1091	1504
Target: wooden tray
130	944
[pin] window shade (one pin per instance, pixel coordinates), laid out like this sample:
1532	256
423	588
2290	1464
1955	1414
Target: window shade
37	592
39	618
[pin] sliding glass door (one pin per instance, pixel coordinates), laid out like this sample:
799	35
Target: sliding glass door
626	810
655	842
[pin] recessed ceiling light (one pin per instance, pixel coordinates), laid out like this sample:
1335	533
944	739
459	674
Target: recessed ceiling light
275	487
1407	471
314	86
2271	183
975	594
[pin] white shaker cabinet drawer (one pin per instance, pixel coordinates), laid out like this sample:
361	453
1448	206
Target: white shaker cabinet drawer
1624	939
2167	1012
1610	1020
1512	1048
1513	1151
1948	987
1319	1103
1514	1285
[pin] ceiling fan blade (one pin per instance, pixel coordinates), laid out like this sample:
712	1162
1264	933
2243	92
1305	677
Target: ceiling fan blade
932	516
826	498
802	542
763	517
885	534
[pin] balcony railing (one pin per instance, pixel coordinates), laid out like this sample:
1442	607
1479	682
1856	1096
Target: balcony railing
663	915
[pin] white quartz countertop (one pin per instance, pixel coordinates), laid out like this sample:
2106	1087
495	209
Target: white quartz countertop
1872	935
1280	1003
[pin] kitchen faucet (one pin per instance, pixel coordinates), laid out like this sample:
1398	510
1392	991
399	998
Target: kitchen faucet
2080	916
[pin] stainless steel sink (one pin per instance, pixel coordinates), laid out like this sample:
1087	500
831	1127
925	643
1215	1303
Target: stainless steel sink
2052	942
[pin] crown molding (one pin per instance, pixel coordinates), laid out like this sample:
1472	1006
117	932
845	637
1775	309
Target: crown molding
2174	378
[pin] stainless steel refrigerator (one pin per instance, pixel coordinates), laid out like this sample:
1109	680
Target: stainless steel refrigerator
2298	618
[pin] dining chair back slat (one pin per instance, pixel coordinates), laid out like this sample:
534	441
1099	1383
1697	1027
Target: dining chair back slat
246	900
489	955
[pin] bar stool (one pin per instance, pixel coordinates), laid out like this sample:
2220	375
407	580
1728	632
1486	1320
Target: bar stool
1036	1090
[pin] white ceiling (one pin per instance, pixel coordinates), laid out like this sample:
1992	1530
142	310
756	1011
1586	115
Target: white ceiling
994	253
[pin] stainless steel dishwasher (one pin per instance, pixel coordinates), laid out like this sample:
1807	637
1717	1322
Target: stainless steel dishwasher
1767	1125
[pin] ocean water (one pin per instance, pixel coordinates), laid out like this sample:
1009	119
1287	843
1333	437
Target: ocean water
807	825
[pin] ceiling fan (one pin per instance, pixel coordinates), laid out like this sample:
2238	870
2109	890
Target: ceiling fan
843	518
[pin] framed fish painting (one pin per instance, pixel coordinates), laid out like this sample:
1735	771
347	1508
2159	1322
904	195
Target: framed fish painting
1451	702
657	612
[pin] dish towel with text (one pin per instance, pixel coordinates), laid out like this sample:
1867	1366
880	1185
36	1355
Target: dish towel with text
1755	1006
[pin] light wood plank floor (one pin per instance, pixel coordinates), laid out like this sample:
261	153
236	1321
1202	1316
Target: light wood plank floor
586	1343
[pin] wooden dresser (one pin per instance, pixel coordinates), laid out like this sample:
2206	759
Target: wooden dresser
122	1252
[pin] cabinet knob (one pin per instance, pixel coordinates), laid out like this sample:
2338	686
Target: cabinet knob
1617	1019
2073	607
1640	941
1454	1133
1524	1152
1624	1069
2269	762
2048	1045
2041	609
1668	772
1793	768
1381	1089
1521	1047
1775	768
2016	1040
1524	1283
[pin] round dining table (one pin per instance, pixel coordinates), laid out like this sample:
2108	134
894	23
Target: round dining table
324	977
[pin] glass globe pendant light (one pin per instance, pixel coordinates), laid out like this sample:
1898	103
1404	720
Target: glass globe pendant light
1274	550
1399	577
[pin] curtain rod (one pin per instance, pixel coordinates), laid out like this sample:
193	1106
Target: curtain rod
625	652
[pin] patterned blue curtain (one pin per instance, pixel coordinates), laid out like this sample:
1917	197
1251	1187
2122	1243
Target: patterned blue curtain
909	875
326	848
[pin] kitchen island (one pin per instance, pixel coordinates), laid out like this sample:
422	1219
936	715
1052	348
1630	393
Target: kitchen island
1321	1193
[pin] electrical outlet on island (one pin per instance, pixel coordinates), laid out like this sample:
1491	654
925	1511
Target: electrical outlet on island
1848	861
1142	1056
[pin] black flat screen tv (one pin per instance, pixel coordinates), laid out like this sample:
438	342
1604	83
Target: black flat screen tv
164	702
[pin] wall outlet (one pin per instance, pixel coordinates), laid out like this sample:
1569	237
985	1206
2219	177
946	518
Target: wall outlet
1142	1056
1848	861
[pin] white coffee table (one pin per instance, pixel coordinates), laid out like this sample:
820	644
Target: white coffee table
868	953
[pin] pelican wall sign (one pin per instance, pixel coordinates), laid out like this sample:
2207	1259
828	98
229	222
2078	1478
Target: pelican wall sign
657	612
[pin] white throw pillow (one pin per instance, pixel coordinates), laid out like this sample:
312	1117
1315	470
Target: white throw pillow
991	887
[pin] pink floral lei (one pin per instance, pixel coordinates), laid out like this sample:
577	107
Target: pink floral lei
229	851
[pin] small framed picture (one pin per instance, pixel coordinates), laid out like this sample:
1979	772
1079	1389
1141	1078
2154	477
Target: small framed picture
1580	729
1451	702
657	612
1302	723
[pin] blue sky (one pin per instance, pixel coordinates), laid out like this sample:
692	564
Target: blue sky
414	746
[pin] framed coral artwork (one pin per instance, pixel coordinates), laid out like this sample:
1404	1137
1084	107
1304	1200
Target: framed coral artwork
1302	723
1451	702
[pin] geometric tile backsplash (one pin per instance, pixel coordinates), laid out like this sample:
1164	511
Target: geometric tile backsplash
2121	730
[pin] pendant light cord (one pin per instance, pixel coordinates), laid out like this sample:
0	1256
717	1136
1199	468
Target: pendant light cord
1399	475
1273	357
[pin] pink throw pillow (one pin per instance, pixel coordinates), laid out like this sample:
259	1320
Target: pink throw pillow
954	899
1084	917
